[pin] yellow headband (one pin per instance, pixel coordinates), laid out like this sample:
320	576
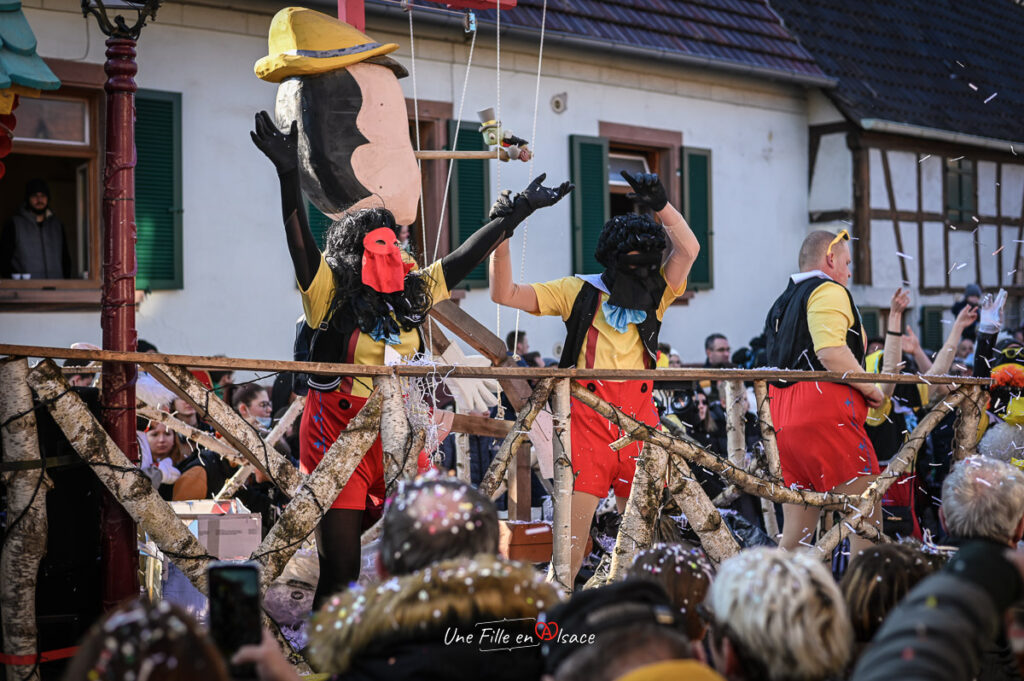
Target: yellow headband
842	236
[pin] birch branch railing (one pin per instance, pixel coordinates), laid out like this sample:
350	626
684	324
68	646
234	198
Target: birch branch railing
664	458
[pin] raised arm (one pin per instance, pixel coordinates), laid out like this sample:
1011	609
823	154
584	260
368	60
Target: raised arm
282	150
518	207
893	354
944	358
683	245
990	321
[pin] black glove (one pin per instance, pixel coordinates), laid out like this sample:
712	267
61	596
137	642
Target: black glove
647	190
522	205
282	149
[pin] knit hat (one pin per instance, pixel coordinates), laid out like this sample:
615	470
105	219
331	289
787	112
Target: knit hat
972	290
37	186
594	611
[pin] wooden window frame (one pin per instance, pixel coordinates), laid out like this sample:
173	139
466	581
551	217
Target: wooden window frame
433	121
177	282
84	82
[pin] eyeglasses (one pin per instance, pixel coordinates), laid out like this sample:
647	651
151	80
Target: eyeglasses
842	236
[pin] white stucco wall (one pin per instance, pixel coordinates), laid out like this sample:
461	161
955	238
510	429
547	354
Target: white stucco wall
239	298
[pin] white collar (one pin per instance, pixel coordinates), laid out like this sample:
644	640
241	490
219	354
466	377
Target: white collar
800	277
596	281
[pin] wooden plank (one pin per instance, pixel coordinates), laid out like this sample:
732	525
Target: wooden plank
502	372
481	425
519	487
861	210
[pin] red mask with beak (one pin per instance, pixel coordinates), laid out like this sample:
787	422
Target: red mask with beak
383	269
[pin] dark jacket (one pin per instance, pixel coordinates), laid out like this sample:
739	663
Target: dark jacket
36	248
950	627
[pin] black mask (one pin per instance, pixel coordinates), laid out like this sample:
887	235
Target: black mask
636	282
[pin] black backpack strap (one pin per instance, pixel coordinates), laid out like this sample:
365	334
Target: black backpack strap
584	309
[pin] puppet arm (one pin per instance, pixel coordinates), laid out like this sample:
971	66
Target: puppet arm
282	150
648	191
506	214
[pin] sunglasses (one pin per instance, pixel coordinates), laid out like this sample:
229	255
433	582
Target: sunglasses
842	236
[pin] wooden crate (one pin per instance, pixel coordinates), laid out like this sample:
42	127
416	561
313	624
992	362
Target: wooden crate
529	542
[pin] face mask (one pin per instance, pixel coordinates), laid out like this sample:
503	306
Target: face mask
383	269
636	282
264	421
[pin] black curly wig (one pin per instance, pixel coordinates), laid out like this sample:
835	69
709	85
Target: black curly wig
343	251
628	232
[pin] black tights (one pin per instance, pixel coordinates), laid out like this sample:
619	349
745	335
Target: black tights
338	544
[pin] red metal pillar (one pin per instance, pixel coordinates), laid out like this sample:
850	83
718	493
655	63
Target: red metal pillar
119	547
353	12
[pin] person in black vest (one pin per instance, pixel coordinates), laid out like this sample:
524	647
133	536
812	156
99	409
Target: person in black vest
612	321
32	242
815	325
360	296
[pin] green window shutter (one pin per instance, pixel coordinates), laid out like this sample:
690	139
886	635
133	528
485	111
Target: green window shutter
158	207
697	211
588	160
469	198
932	336
871	319
318	224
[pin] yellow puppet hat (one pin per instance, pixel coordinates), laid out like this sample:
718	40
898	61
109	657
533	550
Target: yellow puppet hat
302	42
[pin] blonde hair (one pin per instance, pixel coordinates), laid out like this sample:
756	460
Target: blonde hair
783	612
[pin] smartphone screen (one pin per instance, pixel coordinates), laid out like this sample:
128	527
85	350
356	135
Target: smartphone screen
235	610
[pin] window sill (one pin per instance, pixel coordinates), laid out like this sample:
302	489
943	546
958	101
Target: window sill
77	299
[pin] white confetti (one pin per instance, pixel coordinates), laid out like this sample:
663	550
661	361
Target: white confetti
973	86
924	158
990	98
904	255
996	252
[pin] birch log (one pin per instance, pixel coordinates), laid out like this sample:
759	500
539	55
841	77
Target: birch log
235	482
764	420
232	427
771	454
25	543
735	436
637	527
192	434
965	442
318	492
698	456
561	543
701	514
495	474
854	520
462	470
123	478
395	431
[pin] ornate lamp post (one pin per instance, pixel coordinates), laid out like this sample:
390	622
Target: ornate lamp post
120	555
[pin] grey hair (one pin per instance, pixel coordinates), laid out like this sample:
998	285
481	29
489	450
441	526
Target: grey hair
785	610
983	497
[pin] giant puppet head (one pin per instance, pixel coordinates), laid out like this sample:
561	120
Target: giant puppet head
632	247
343	92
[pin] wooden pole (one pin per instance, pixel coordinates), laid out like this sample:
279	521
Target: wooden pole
854	520
771	454
735	422
319	491
192	434
704	518
129	485
561	549
520	431
232	485
501	372
462	470
636	530
965	442
25	542
232	427
697	456
395	431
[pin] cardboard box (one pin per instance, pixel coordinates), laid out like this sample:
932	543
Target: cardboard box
228	537
529	542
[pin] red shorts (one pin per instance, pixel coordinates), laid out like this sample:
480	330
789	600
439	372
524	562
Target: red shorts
325	416
820	431
595	465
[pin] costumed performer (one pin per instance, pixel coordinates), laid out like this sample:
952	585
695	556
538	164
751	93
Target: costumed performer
612	321
815	326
